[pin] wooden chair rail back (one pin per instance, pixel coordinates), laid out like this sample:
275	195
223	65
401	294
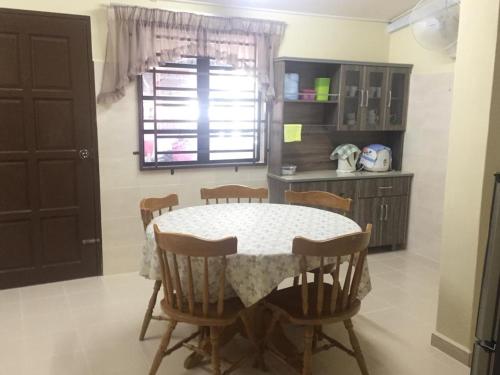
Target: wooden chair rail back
238	192
341	297
189	246
149	206
321	199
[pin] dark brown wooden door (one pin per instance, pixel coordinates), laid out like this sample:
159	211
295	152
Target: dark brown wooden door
49	190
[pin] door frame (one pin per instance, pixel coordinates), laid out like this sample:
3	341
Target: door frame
93	146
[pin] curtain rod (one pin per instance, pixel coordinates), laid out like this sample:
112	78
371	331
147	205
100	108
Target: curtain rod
112	3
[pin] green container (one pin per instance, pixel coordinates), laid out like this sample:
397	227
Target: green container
322	87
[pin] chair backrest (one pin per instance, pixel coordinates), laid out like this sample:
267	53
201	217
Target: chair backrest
238	192
178	245
353	246
320	199
149	206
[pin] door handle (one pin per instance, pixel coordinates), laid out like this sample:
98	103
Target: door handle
367	98
381	213
385	187
91	241
390	99
386	212
488	346
362	97
84	153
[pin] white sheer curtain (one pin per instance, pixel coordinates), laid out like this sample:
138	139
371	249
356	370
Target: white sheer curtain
141	38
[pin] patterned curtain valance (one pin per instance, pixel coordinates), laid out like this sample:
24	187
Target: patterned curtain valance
141	38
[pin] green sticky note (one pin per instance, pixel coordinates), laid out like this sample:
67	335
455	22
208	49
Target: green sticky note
292	133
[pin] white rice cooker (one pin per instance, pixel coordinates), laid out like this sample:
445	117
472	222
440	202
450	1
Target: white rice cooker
376	158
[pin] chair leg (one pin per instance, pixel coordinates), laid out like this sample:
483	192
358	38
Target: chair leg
308	342
163	347
149	311
214	341
356	347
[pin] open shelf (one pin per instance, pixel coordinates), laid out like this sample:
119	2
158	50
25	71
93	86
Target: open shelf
331	101
305	125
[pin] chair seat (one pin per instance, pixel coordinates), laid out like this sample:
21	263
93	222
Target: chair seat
232	308
288	302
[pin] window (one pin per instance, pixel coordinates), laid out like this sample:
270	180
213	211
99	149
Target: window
198	113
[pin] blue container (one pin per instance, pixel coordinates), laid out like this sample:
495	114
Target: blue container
291	86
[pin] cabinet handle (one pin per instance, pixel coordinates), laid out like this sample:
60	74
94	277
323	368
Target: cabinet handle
362	97
381	213
390	99
367	98
385	187
386	212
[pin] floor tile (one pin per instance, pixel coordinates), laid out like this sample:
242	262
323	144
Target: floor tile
42	291
10	296
91	326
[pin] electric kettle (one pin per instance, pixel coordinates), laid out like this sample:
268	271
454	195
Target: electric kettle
347	156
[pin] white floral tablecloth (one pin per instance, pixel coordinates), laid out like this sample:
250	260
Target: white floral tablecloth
265	233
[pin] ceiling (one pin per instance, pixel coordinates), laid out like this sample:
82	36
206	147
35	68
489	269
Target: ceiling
380	10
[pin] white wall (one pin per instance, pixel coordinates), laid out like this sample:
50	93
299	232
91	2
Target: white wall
426	139
469	180
122	184
426	155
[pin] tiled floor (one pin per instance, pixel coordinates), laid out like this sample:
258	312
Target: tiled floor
90	326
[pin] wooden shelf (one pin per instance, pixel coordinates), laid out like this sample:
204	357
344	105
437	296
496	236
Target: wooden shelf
318	125
335	101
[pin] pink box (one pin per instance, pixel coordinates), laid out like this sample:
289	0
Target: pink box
307	94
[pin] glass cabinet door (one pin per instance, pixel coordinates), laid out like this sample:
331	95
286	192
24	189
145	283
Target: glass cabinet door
374	103
351	97
397	99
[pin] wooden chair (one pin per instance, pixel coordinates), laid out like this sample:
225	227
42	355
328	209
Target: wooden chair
179	302
149	207
237	192
321	199
323	303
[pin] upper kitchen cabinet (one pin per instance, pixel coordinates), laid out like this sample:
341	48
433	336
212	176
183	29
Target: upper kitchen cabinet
362	97
351	97
373	98
374	105
397	99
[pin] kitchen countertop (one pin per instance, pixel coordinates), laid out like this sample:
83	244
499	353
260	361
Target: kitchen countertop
329	174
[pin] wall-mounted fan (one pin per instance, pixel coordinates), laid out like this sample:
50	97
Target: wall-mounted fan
435	24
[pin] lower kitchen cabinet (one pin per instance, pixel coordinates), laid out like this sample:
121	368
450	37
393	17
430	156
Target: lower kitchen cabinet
383	202
389	218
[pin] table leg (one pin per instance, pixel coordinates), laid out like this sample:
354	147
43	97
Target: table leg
254	325
196	359
269	333
284	347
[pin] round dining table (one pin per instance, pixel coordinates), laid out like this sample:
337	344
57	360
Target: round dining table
265	234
